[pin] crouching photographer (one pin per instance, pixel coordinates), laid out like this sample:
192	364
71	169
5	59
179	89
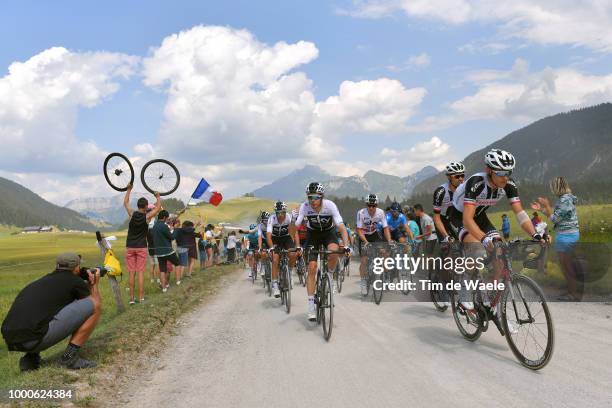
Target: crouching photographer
64	303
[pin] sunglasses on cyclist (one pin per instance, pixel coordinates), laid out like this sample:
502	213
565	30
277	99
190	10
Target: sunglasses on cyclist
279	213
314	197
372	205
459	176
502	173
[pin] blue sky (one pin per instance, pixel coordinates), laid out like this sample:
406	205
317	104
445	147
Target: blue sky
392	85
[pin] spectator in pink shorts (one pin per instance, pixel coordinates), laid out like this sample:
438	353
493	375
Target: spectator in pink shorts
136	242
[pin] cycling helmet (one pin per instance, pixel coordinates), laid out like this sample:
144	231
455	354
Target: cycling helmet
396	207
252	226
372	199
455	168
280	206
315	188
264	216
498	159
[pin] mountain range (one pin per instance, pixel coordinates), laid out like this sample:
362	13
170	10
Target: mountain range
575	144
106	209
21	207
291	187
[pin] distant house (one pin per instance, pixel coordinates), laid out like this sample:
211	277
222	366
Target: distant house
31	230
48	228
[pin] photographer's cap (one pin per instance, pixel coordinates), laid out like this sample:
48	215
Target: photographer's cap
68	260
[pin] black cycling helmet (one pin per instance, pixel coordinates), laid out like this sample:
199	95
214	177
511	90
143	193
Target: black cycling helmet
280	206
315	188
372	199
396	207
264	216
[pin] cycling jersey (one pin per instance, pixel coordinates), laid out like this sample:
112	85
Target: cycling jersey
368	223
279	229
394	223
252	237
442	199
476	191
324	220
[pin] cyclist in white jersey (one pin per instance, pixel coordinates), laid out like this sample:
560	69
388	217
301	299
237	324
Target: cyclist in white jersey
321	217
368	219
278	235
472	199
443	198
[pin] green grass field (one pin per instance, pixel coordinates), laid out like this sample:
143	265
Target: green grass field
240	211
26	257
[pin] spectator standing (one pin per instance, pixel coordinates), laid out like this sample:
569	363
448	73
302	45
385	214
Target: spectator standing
231	247
162	238
428	230
136	242
186	240
535	220
567	231
505	226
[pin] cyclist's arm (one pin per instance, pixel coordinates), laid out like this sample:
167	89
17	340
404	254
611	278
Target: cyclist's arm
259	239
439	225
523	218
387	234
469	210
343	233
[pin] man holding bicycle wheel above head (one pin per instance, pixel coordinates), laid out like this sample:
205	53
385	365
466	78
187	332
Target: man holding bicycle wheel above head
136	242
472	199
278	235
368	219
322	217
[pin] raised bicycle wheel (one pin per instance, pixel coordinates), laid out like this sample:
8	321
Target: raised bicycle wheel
118	171
527	323
160	175
327	306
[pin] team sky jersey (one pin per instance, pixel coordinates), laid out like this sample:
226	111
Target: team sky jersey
261	230
368	223
395	223
327	218
279	229
476	191
442	199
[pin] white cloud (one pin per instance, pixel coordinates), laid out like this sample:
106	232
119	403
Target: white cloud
39	102
415	62
232	98
550	22
433	152
522	95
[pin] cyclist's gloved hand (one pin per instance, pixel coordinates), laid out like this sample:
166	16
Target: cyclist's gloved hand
347	250
446	239
487	242
536	237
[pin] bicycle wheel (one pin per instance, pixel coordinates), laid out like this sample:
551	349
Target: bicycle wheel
377	281
339	278
327	306
468	322
288	290
160	175
527	322
118	171
437	296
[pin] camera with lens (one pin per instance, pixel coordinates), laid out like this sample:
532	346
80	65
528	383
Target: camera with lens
83	273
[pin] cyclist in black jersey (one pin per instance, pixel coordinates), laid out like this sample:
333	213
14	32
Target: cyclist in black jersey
443	199
321	217
473	198
278	235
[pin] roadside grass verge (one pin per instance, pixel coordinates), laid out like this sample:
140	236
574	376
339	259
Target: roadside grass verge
25	258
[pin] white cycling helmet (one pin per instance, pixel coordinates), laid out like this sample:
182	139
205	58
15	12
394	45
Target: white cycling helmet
315	188
455	168
501	160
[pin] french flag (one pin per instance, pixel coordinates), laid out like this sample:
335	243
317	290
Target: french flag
205	193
